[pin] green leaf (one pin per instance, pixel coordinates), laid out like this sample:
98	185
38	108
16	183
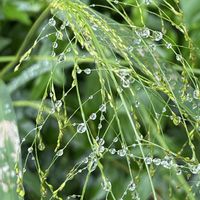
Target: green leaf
9	149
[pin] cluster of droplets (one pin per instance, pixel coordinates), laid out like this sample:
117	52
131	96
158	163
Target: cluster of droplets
145	32
73	196
98	147
106	185
87	71
168	162
126	78
102	110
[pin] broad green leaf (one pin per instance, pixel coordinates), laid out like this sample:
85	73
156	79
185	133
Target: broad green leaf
9	149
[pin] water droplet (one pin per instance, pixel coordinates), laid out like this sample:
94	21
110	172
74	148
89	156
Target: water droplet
102	108
101	141
125	83
168	45
41	146
121	152
59	35
176	119
59	153
131	186
39	127
53	54
152	46
112	151
55	45
68	50
130	49
30	149
106	185
157	161
66	23
61	58
167	162
58	104
143	32
137	41
87	71
93	116
116	1
99	126
78	71
164	110
179	57
115	139
137	103
102	117
94	27
93	165
91	97
52	22
85	160
81	128
148	160
196	94
157	35
51	94
101	149
194	106
134	145
178	172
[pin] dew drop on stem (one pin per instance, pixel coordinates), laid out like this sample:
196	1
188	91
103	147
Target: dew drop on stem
87	71
55	45
81	128
196	94
157	36
102	108
131	186
59	153
106	185
52	22
61	58
93	116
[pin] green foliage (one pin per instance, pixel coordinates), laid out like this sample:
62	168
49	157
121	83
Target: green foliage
107	97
